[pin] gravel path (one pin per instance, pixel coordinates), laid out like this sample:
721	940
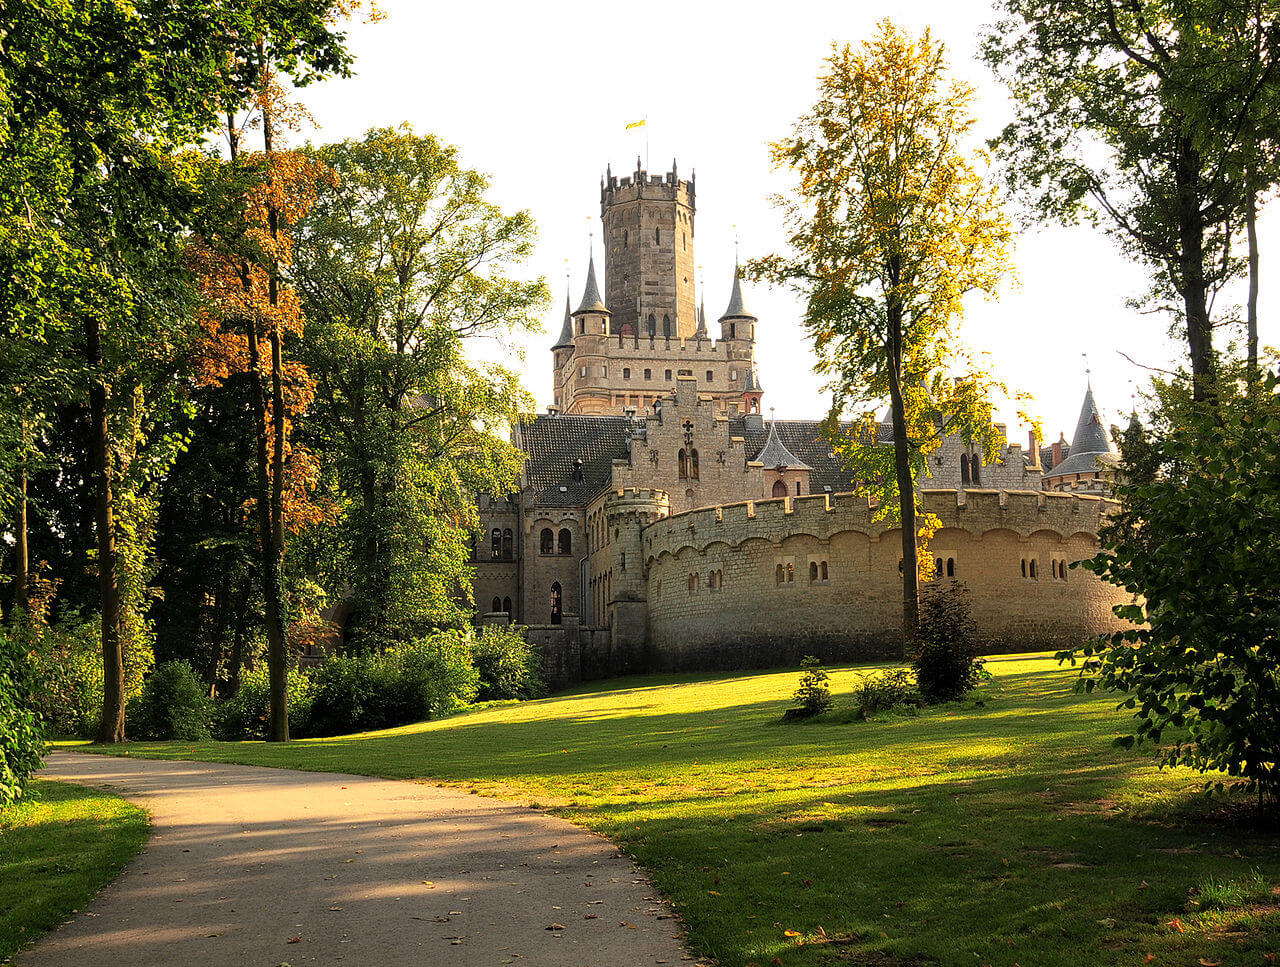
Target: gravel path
252	866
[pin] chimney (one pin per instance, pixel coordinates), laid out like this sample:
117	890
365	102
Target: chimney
1057	450
1033	446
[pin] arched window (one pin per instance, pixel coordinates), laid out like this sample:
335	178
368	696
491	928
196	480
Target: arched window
1031	569
823	567
657	236
733	330
497	605
951	567
791	573
626	236
653	325
813	572
508	544
556	602
693	464
546	541
666	326
779	488
937	568
779	574
975	469
565	541
964	468
682	462
495	543
506	605
1024	567
797	488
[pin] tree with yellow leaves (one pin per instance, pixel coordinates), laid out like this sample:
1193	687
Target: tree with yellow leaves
890	225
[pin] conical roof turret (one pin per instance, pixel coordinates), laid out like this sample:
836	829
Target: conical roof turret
736	309
752	384
1091	447
591	301
701	331
775	453
566	331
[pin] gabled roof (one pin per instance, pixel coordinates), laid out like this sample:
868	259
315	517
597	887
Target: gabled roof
736	310
566	331
591	301
775	454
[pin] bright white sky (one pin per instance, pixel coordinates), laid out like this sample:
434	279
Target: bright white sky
538	96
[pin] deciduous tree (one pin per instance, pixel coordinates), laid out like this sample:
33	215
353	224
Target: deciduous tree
1157	118
403	264
890	225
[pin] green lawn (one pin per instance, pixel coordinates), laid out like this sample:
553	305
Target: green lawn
1008	832
58	847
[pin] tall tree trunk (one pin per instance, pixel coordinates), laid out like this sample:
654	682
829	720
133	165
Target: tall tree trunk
270	548
277	653
906	487
1195	290
111	726
1251	224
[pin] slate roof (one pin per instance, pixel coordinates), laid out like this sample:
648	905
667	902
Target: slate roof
1091	445
735	310
591	301
801	438
775	454
566	331
554	442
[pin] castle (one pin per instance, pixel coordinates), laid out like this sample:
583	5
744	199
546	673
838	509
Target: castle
661	522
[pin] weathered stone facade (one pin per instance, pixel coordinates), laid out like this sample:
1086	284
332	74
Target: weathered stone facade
662	523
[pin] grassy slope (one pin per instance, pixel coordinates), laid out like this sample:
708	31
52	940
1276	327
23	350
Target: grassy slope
1010	833
58	847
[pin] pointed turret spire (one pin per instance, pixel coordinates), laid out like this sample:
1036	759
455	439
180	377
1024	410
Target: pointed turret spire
566	331
1091	434
701	331
775	453
591	301
736	310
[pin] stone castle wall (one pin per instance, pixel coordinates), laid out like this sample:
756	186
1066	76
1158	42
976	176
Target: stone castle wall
765	583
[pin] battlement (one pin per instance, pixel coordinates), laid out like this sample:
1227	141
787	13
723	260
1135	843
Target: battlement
822	515
640	184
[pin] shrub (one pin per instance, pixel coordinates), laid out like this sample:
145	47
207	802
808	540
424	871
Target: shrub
508	665
814	694
420	680
68	678
888	690
1196	540
244	715
21	736
173	704
946	659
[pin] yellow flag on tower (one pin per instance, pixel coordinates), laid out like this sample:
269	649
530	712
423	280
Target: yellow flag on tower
636	124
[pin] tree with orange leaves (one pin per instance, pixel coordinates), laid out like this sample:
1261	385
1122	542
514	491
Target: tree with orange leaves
249	312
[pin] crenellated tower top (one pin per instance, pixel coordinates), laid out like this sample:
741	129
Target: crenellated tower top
649	263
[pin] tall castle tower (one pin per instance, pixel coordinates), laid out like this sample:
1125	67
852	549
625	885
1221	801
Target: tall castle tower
648	245
622	353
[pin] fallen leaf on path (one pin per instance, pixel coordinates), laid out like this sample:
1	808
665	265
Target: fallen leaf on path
1176	923
1204	962
294	940
556	926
